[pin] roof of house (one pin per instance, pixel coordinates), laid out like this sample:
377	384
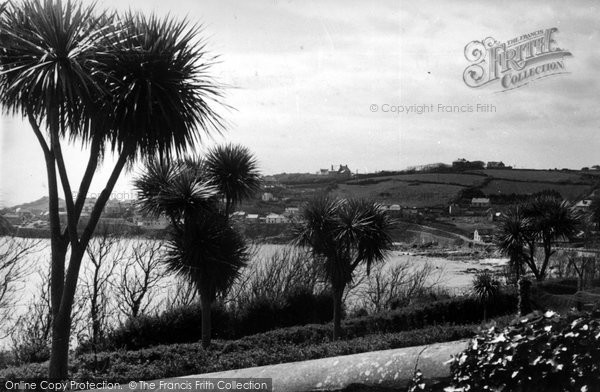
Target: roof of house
480	200
252	216
583	203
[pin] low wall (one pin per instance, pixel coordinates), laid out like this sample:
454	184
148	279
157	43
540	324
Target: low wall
389	368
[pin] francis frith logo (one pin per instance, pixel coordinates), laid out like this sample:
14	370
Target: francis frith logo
516	62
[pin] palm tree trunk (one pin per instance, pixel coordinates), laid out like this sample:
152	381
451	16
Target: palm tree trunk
205	303
337	313
485	312
59	354
524	300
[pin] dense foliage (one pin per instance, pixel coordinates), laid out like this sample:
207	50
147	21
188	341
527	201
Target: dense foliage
541	352
181	325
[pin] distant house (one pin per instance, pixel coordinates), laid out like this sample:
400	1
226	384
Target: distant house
344	171
291	211
495	165
238	215
463	164
252	217
267	196
341	171
480	202
583	205
275	218
148	223
393	209
269	182
483	235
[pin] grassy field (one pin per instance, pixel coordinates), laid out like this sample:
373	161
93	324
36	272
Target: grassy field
568	191
434	189
412	194
440	178
429	189
550	176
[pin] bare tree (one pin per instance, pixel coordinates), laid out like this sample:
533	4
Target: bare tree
275	276
105	252
32	332
181	294
139	276
583	267
399	283
14	268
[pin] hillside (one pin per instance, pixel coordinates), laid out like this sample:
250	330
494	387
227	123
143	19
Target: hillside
5	226
440	189
38	205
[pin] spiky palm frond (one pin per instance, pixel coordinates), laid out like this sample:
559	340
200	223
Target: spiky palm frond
318	225
365	226
234	171
47	57
552	218
345	234
208	252
515	230
162	96
173	188
485	286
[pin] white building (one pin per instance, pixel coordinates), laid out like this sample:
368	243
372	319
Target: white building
276	218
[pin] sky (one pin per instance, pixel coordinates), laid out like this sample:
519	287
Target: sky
312	84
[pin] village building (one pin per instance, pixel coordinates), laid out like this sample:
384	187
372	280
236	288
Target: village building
495	165
480	202
483	235
267	196
275	218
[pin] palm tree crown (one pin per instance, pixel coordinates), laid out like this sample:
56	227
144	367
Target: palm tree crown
233	171
344	234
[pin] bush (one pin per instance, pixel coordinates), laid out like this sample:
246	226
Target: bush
543	352
182	325
559	286
458	310
179	325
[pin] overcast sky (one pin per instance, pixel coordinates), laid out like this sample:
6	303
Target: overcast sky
304	74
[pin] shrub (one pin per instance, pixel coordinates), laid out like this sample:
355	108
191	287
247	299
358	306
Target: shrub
178	325
543	352
458	310
182	324
559	286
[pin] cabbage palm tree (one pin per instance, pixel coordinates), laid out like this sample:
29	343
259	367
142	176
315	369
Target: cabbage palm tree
344	234
551	219
131	85
486	287
233	170
512	238
203	247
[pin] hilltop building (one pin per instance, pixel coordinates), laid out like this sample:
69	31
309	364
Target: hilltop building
495	165
341	171
463	164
